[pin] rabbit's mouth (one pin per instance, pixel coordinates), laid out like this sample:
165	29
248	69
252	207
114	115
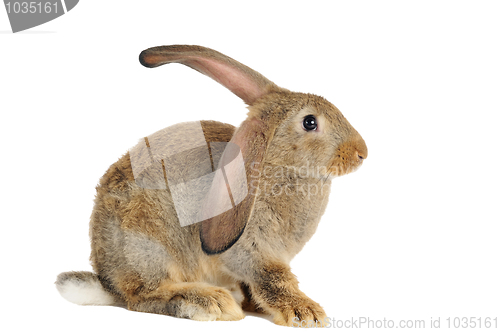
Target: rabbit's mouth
349	157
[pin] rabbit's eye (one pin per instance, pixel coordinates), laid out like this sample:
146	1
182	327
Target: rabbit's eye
310	123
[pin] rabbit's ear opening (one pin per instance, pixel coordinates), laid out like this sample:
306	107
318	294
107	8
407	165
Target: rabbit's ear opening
243	81
220	232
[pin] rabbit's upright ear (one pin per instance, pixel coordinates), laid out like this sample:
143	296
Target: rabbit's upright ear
220	230
244	82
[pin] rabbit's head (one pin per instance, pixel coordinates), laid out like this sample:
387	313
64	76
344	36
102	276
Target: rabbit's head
309	133
283	129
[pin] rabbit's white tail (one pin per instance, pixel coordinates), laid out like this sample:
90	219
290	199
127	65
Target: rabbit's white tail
83	288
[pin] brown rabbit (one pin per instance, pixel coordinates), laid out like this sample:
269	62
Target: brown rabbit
230	248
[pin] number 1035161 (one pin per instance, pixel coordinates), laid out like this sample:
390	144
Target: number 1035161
32	7
472	322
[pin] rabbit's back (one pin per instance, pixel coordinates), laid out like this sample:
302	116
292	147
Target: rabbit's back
136	238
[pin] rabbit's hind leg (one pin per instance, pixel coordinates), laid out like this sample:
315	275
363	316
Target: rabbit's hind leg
193	300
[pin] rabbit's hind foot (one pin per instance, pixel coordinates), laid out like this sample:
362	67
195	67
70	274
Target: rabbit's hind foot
197	301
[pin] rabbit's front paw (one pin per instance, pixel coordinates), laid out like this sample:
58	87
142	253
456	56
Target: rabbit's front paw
303	313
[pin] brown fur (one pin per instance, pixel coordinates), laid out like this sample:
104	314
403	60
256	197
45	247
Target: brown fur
142	255
277	292
248	303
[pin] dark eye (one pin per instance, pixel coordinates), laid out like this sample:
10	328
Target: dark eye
310	123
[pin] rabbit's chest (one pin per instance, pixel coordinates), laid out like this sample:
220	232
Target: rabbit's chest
287	213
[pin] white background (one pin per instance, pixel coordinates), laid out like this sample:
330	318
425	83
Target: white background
412	235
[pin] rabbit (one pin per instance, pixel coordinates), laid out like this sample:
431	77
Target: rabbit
224	261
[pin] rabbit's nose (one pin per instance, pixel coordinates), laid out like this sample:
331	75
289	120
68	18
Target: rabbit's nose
361	149
361	155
